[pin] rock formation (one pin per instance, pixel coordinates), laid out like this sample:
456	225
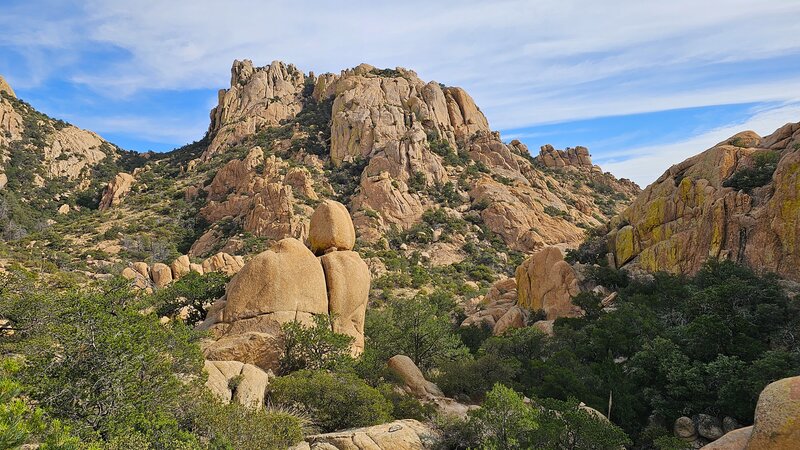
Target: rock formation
577	158
235	381
696	210
116	189
546	282
258	97
288	283
411	137
407	434
497	309
5	87
144	276
413	380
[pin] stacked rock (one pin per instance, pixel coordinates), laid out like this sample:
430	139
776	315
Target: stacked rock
289	283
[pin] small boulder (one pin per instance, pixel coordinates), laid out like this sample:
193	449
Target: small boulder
142	268
415	383
63	209
709	427
684	428
180	266
161	275
331	228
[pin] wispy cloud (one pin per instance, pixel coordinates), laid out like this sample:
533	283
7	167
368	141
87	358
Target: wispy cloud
525	62
645	164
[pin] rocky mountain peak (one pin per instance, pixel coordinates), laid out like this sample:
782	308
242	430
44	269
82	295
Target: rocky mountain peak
5	87
258	97
407	145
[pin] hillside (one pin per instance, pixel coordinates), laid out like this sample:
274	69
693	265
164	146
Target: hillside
356	260
415	163
737	201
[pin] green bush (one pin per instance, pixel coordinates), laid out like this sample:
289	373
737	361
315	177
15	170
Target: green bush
334	401
314	347
749	178
192	290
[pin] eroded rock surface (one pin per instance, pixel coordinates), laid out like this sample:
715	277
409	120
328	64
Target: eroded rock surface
691	214
546	282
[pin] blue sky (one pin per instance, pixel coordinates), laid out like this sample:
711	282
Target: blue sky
642	84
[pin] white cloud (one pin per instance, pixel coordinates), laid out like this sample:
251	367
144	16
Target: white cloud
645	164
525	62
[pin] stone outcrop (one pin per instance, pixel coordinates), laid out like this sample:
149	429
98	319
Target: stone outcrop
263	202
546	282
347	279
399	128
407	434
413	381
690	214
5	87
497	309
117	188
159	275
258	97
229	381
284	284
285	280
578	158
777	418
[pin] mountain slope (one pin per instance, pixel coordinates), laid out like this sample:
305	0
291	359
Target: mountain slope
429	185
739	200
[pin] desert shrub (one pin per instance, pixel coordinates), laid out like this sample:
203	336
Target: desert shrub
314	347
192	290
334	401
748	178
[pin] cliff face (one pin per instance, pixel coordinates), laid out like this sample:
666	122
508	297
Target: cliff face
739	200
409	146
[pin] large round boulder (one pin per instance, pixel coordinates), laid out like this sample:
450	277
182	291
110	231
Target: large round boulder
347	279
331	228
777	416
287	277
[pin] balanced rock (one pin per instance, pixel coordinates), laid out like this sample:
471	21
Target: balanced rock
777	418
546	282
347	279
331	228
413	380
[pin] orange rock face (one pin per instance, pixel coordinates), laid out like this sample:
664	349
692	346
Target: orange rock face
689	215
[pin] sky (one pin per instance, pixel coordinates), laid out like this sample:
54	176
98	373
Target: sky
643	84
